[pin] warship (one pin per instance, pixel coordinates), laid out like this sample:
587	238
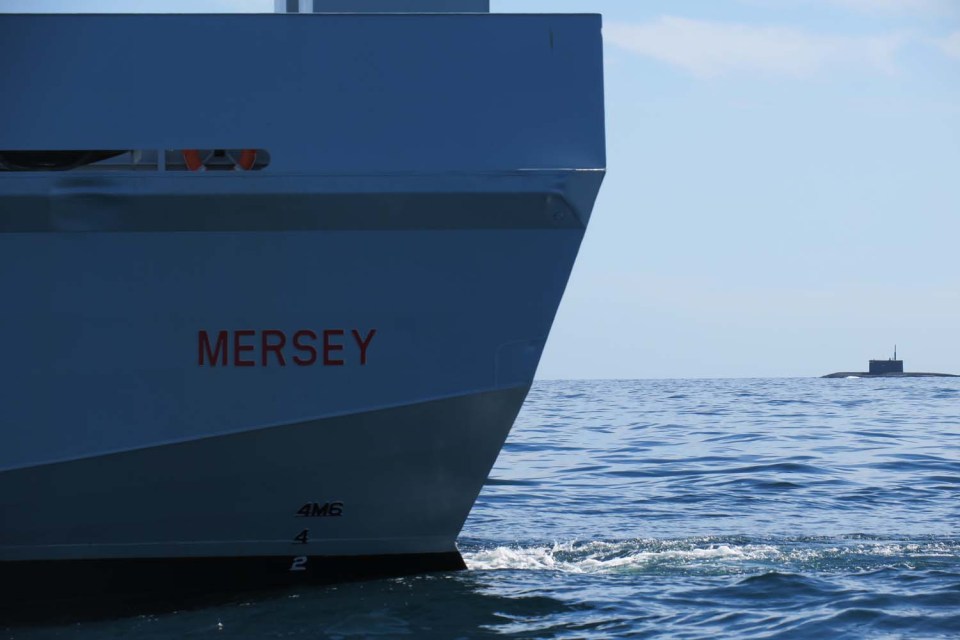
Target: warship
889	368
275	286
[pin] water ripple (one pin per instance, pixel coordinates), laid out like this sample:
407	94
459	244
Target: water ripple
732	508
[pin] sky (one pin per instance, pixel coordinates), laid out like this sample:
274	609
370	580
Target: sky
783	188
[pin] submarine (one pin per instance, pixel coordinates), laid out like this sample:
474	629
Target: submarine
889	368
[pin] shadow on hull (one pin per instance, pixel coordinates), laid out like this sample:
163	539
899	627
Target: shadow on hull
46	592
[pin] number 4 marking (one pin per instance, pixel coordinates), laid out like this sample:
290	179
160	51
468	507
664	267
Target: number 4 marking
302	537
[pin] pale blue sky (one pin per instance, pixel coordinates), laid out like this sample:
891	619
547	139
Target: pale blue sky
783	192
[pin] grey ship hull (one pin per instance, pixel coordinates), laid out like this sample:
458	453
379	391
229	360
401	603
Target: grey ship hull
160	524
298	373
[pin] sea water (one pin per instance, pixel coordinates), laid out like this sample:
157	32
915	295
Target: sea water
765	508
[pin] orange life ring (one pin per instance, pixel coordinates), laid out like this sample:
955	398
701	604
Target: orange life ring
248	158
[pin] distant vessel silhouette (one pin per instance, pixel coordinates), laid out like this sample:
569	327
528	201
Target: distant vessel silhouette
889	368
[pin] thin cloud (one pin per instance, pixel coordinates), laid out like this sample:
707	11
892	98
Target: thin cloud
896	6
950	45
714	48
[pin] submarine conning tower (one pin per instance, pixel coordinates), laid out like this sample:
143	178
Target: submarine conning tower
890	365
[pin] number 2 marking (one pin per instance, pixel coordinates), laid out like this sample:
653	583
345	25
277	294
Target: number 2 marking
299	564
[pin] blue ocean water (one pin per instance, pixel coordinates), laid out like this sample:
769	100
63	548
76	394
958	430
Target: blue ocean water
766	508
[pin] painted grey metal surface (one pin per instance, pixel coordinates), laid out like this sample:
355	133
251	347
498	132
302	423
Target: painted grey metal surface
455	311
193	354
399	480
382	6
342	95
111	202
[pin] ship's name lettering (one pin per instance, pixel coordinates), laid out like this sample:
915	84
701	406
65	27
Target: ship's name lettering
273	347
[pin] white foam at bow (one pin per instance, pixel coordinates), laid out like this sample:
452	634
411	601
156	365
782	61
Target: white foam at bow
602	557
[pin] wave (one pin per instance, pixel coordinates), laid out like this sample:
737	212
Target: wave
716	555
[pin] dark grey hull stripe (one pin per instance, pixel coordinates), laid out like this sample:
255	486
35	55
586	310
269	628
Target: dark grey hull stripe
52	591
